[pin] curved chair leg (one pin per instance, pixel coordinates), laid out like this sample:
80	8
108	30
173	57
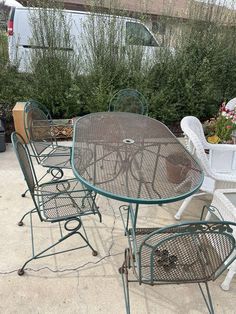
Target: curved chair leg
99	215
20	223
185	204
71	231
123	270
94	253
23	194
207	298
183	207
231	272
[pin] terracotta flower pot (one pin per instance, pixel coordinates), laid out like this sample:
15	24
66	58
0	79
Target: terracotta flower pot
177	167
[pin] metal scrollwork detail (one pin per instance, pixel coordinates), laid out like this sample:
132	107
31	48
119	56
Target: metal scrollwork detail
214	227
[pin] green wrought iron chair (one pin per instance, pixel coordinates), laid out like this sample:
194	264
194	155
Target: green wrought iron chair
38	125
190	252
62	202
44	146
129	100
126	100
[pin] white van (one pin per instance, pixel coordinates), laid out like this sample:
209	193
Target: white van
130	32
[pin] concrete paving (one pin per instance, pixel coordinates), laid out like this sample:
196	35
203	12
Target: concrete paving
77	282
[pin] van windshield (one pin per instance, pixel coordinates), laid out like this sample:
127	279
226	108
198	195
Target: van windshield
137	34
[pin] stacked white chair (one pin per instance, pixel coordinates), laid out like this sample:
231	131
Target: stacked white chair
218	161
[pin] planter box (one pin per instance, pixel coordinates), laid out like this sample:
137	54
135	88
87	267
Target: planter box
62	129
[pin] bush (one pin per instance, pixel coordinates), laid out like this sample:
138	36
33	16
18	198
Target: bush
52	68
191	81
14	86
197	77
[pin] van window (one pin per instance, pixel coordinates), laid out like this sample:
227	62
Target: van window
137	34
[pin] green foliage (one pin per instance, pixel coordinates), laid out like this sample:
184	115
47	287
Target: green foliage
52	67
191	81
14	86
188	83
3	49
224	128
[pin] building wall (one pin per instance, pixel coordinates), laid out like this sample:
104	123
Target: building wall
175	8
180	9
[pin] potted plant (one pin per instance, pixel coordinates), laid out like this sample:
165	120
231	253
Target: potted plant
177	167
221	128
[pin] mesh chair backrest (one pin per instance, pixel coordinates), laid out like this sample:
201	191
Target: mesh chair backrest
197	143
38	126
25	162
189	252
129	100
191	123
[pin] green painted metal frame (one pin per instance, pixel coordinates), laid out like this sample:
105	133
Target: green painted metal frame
56	171
134	252
31	105
128	93
124	198
34	189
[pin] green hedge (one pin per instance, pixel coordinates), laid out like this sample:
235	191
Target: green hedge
191	81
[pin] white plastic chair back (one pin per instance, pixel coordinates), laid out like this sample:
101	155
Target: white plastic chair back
208	154
196	142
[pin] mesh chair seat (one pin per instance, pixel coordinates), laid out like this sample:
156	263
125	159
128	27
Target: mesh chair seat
59	157
190	252
183	259
66	199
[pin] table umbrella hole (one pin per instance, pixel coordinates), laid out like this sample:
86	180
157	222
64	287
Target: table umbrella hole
128	141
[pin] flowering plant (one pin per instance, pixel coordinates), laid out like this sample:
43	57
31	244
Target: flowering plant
220	128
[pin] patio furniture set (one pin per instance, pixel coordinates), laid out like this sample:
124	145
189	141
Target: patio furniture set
135	159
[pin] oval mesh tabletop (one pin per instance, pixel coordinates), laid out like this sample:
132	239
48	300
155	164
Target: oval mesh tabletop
132	158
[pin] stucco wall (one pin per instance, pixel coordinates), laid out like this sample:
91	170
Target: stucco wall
177	8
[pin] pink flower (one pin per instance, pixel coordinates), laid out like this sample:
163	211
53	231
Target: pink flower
228	126
222	107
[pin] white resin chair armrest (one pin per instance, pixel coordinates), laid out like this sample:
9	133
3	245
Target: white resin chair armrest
222	147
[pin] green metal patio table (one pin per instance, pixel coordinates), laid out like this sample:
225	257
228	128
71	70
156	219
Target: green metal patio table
132	158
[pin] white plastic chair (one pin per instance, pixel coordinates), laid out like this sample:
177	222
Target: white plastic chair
223	207
218	161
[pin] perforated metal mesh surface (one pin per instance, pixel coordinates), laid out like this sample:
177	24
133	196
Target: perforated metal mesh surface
125	156
186	257
66	199
40	131
24	163
59	157
128	100
39	128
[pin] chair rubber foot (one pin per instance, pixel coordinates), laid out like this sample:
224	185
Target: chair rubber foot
20	272
20	223
224	287
121	270
94	253
177	217
23	195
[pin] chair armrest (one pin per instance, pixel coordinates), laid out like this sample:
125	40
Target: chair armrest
222	147
71	187
222	158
